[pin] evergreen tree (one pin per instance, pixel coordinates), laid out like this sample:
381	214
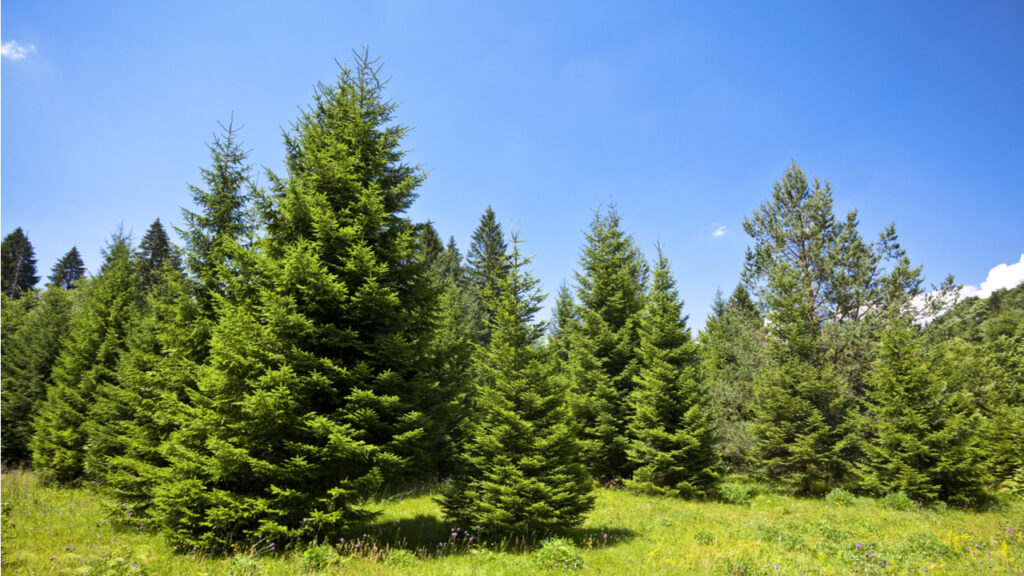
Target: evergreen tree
602	356
520	472
87	362
672	430
28	359
733	348
920	435
487	264
154	252
66	273
316	390
19	264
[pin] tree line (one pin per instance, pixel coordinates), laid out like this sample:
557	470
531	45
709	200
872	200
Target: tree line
308	346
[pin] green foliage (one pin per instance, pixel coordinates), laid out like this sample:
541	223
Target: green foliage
735	493
66	273
28	359
898	501
920	436
112	565
87	363
245	565
559	554
155	252
486	265
672	430
318	558
520	471
839	497
18	260
602	353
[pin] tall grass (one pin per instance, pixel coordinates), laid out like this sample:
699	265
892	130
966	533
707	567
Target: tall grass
49	530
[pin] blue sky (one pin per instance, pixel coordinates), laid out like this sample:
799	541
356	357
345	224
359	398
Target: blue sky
683	115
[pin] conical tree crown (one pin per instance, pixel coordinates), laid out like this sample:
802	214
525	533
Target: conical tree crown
18	260
68	270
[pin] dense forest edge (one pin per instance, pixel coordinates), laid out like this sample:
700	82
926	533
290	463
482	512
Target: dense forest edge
308	350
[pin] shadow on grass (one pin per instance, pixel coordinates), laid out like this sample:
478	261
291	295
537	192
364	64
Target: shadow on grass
430	535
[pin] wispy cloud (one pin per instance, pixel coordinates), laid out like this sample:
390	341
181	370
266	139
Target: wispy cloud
13	50
719	230
1002	276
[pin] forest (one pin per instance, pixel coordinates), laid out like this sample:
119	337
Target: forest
308	348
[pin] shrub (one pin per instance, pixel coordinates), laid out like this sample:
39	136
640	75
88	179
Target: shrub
839	497
898	501
401	558
316	558
560	554
734	493
244	565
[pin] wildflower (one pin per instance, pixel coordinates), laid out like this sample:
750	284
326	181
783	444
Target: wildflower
130	514
859	545
271	545
1010	530
69	548
53	557
341	540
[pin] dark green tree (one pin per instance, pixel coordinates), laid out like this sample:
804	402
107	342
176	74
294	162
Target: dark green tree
18	259
734	348
487	264
154	252
28	359
87	362
602	355
314	391
920	436
66	273
672	430
520	471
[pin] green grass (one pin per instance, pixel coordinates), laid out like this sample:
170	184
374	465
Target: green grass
48	530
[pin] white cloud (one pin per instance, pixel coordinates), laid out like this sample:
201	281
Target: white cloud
1002	276
12	50
719	231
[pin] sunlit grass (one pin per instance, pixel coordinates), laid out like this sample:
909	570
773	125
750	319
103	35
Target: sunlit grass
48	530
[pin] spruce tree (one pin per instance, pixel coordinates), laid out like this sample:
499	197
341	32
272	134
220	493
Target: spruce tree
602	356
18	260
87	362
920	436
315	390
66	273
28	359
733	349
154	252
520	472
672	431
487	263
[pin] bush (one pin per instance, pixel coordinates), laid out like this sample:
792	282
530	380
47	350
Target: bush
839	497
401	558
734	493
898	501
316	558
244	565
560	554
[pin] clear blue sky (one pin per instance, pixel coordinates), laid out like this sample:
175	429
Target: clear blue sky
682	115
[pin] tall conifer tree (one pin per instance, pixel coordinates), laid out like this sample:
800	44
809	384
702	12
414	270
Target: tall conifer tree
520	471
602	358
672	432
68	270
18	260
487	264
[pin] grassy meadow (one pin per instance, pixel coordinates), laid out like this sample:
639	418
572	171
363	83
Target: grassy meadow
48	530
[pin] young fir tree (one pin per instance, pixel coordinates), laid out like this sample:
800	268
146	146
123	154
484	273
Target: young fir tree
487	263
28	359
602	356
68	270
733	349
314	391
87	362
520	471
18	260
920	436
672	431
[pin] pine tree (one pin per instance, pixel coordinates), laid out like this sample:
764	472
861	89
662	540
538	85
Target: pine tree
19	264
87	362
487	263
154	252
314	391
28	359
602	357
672	432
733	349
920	436
66	273
520	472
